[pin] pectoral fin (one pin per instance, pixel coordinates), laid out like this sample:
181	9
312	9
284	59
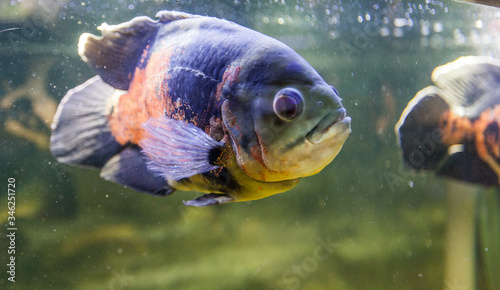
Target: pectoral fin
209	199
177	149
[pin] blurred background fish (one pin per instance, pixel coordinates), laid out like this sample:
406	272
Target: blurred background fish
454	127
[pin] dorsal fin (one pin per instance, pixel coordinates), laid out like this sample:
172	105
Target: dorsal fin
177	149
469	84
167	16
115	54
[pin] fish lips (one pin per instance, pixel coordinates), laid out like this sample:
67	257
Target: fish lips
334	124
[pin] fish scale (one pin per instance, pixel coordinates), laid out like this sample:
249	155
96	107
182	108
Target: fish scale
202	73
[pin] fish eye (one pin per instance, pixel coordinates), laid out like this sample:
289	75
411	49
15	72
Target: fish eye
288	104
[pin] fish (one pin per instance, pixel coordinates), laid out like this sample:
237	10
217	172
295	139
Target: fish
453	128
194	103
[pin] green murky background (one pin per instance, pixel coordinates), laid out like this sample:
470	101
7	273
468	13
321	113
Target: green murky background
364	222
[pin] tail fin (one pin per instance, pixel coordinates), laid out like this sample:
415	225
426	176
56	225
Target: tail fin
80	131
81	136
418	131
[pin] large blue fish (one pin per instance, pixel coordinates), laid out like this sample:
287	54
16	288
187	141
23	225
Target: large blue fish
197	103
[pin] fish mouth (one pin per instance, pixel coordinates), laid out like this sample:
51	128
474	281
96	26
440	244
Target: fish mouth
334	124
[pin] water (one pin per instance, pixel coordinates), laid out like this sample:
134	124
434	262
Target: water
364	222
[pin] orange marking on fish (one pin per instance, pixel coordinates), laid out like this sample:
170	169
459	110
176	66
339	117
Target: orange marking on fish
256	154
456	129
488	144
483	141
147	97
178	103
460	130
230	77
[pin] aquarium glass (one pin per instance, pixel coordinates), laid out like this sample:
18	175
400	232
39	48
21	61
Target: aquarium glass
363	222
